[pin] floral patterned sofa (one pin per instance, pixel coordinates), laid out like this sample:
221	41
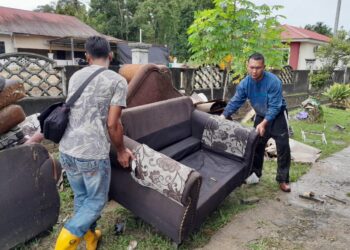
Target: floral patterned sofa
187	162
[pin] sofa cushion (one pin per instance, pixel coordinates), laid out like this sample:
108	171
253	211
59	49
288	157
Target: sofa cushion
159	124
221	135
220	175
11	116
182	148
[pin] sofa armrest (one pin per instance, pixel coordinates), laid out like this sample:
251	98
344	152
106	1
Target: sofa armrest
153	206
161	173
191	186
199	120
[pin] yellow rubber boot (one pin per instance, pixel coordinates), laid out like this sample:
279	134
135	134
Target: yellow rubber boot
92	239
67	241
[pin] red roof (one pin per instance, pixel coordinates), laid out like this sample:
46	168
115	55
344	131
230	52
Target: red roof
44	24
295	33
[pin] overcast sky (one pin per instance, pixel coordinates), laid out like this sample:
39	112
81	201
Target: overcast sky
297	12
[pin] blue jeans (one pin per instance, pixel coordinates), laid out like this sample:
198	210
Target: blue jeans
89	180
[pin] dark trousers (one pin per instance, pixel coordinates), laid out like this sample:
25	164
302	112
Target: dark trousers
278	130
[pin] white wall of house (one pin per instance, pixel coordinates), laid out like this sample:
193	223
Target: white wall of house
9	47
37	42
31	43
307	51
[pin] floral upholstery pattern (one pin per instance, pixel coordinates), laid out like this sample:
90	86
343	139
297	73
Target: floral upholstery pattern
222	135
159	172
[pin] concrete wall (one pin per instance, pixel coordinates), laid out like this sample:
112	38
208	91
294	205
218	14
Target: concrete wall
294	93
33	105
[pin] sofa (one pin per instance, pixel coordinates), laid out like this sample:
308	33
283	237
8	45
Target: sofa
187	162
30	202
147	83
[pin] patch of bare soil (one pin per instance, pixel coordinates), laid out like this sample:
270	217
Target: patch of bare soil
290	222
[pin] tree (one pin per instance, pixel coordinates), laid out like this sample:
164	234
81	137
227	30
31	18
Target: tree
236	28
335	52
320	28
167	21
72	8
48	8
162	21
65	7
114	17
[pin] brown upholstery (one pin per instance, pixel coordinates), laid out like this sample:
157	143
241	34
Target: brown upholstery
29	199
148	83
10	117
128	71
175	129
139	122
11	94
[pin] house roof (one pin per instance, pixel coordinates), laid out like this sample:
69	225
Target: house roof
294	33
45	24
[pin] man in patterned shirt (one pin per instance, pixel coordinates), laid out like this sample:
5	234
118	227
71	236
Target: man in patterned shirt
94	123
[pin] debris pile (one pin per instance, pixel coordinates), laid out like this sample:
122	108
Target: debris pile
300	152
312	111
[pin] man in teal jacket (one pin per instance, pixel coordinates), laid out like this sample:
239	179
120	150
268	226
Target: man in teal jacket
264	91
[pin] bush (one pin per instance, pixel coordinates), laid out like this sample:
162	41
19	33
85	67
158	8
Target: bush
338	94
319	79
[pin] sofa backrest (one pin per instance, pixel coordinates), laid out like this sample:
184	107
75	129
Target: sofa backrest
148	83
159	124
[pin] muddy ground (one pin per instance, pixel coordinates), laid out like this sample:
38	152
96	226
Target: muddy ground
289	222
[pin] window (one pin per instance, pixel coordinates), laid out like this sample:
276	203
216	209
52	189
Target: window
60	55
2	47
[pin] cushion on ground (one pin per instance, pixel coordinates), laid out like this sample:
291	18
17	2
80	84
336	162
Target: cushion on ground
10	117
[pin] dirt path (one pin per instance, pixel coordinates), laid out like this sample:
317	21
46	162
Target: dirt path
290	222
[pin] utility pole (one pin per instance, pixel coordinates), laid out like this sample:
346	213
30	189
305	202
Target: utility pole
335	30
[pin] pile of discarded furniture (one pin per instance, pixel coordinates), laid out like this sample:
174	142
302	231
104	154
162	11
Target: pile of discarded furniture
187	163
29	199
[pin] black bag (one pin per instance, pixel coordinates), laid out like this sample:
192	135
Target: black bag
54	120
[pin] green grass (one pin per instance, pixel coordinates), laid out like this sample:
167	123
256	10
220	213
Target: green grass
268	243
336	140
148	238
